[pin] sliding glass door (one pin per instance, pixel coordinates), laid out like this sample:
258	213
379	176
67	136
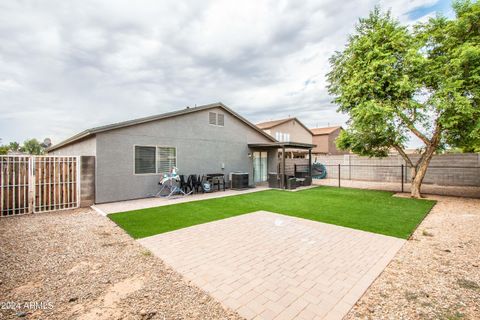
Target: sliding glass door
260	166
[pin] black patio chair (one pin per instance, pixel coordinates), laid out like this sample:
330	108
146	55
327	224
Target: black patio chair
189	183
183	184
196	183
215	181
220	182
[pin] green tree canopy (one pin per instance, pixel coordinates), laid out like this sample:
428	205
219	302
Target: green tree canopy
32	146
14	146
3	150
395	82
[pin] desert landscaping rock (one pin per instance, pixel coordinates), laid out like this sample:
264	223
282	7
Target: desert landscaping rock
88	268
435	275
78	265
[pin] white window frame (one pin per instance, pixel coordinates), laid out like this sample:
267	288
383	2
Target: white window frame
156	162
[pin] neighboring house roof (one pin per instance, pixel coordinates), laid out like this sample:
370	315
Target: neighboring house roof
91	132
16	153
325	130
270	124
273	123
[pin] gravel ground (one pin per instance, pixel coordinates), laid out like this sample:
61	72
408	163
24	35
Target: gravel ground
79	265
436	275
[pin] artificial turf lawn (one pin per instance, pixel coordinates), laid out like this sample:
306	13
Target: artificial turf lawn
374	211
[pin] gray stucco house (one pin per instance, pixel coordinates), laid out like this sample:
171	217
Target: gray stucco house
131	156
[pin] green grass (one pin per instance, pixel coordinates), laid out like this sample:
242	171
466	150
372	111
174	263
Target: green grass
374	211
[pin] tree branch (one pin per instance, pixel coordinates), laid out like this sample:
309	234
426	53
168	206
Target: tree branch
432	144
412	128
404	155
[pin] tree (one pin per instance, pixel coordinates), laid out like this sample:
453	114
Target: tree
32	146
14	146
471	149
395	82
3	150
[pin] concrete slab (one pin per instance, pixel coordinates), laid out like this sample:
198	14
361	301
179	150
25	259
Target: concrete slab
271	266
128	205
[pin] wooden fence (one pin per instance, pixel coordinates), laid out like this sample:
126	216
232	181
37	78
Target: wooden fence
15	175
38	184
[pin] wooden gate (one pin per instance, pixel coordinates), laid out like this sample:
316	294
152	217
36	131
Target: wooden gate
56	183
38	184
15	175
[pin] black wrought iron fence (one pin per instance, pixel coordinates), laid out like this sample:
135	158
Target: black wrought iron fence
445	180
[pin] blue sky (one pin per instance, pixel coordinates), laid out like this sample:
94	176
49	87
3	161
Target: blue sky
444	7
70	65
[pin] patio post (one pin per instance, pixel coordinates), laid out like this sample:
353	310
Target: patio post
310	163
283	168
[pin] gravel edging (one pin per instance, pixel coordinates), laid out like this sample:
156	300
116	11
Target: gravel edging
78	265
436	275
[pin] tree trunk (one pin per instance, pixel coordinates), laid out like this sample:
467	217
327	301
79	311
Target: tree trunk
413	173
417	182
420	174
423	163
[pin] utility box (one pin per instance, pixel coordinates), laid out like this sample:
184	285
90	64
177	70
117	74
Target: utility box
291	183
239	180
273	180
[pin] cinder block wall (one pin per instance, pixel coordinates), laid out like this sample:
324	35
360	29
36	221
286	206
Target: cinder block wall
87	181
461	169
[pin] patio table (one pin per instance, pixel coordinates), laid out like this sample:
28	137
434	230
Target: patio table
220	177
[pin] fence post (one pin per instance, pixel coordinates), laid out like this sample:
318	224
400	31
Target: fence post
339	175
79	186
402	176
31	184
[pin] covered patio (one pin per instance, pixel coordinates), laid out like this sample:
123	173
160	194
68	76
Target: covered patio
283	147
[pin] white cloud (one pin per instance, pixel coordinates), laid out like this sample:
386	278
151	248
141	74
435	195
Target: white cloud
67	66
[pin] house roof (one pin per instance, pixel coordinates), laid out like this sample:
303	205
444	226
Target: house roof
91	132
273	123
325	130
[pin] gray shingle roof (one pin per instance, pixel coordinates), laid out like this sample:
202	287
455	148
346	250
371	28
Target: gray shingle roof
92	131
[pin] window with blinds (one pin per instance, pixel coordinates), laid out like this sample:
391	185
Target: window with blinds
151	159
216	119
166	159
282	137
145	160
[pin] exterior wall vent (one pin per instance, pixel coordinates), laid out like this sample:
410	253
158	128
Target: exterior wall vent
216	119
212	118
221	119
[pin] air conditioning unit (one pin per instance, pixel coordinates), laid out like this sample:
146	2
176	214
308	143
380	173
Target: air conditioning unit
239	180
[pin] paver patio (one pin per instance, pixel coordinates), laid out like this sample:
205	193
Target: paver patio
270	266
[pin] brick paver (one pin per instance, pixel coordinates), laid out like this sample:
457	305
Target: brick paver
271	266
